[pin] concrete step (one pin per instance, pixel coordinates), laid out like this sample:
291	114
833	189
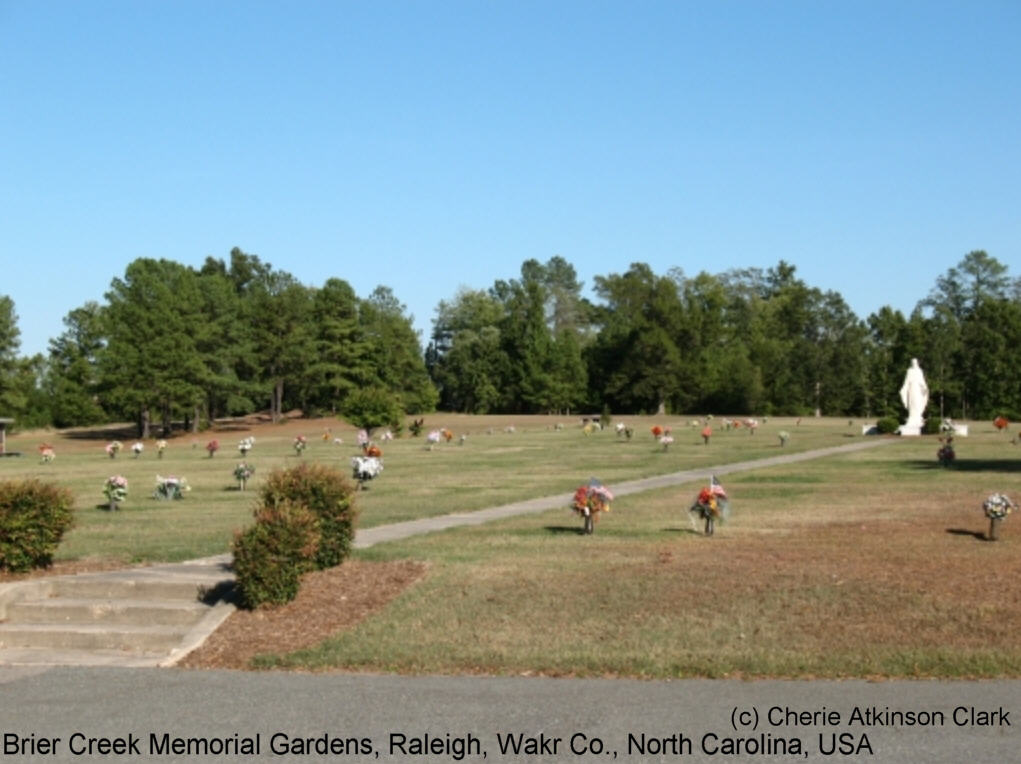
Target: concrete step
36	656
91	636
133	587
84	610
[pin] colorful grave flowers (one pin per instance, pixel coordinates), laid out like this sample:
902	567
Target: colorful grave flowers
114	448
161	446
170	487
245	445
373	450
387	436
212	447
46	453
447	434
591	499
707	432
996	508
657	431
432	439
666	441
243	473
365	468
137	448
784	437
363	438
1001	423
711	505
300	444
116	490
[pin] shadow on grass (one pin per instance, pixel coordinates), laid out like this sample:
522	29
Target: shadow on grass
569	529
978	535
685	531
971	465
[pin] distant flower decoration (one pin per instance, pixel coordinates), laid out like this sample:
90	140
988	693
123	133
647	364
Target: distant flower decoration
591	499
212	447
998	506
365	468
46	453
161	446
113	448
300	444
945	454
784	437
245	445
137	448
116	490
243	473
432	439
170	488
372	450
666	441
657	431
1001	423
707	432
363	438
387	436
711	505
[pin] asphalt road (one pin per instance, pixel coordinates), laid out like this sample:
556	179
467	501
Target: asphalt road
385	718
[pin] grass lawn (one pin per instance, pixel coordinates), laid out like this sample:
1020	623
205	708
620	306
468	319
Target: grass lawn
869	564
491	468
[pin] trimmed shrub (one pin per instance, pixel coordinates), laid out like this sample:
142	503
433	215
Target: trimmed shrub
372	407
33	518
932	425
887	425
329	495
270	556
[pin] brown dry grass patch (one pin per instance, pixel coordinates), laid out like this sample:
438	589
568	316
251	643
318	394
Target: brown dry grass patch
329	601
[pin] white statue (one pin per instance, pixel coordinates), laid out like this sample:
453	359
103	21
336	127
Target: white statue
914	394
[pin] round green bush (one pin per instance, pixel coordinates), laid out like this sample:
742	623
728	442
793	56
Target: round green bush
33	518
270	556
932	425
329	495
887	425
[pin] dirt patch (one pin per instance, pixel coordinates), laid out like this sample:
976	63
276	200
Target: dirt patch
329	601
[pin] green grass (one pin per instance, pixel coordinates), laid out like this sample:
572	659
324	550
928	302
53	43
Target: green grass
867	564
489	469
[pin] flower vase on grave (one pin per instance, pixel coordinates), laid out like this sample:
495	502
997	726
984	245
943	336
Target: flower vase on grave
994	528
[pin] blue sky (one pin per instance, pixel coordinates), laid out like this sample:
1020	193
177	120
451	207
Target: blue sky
426	145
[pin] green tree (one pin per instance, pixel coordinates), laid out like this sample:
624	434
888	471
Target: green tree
12	396
72	375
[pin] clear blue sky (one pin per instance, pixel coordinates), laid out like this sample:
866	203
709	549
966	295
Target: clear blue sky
426	145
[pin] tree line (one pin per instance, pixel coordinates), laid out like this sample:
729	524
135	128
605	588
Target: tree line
174	343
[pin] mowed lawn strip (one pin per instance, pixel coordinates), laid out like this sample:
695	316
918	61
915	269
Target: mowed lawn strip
869	564
491	468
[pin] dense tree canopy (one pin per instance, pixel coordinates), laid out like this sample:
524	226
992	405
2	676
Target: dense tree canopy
172	343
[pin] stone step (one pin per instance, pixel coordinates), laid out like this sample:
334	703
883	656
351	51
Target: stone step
136	587
91	636
82	610
40	656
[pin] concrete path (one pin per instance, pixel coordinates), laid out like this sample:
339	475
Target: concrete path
153	616
396	531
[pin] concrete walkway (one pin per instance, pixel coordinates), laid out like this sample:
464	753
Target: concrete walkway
397	531
156	615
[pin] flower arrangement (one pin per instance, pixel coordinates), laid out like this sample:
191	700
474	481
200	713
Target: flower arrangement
387	436
784	437
300	444
657	431
338	441
161	446
447	434
591	499
46	453
707	432
1001	423
212	447
365	468
432	439
558	426
363	438
416	427
372	450
620	427
996	508
588	429
245	445
946	454
326	435
711	505
116	490
137	448
243	473
170	488
113	448
461	440
510	429
752	425
666	441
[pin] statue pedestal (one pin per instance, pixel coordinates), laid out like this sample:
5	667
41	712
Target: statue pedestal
909	430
